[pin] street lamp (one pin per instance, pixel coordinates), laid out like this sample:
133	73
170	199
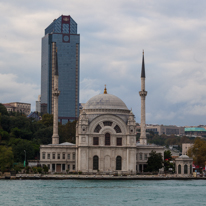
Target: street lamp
25	158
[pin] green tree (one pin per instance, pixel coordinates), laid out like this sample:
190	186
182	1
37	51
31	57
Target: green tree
6	158
18	151
67	132
167	160
21	122
37	125
45	169
5	123
154	162
198	152
3	110
4	135
43	136
21	133
167	155
47	120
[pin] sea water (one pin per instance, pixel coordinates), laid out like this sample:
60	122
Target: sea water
102	192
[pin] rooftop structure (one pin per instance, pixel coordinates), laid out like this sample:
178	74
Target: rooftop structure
166	129
20	107
195	131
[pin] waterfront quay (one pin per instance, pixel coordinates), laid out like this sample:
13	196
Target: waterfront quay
99	177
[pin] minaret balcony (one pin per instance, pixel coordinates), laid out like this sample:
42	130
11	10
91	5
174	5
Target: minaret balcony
143	93
56	92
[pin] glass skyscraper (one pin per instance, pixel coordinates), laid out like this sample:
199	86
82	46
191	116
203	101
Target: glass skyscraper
63	31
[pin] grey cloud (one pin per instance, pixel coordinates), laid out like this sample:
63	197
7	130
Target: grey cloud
113	34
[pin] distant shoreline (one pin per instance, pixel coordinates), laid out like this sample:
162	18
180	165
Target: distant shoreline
97	177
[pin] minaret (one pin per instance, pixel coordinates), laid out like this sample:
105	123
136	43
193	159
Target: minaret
55	92
143	94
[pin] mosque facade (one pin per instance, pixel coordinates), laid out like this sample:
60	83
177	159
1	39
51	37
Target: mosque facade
105	139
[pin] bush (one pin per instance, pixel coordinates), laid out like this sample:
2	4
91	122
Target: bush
34	169
45	168
39	169
18	167
27	169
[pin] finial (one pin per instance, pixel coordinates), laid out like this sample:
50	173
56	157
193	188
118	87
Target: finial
143	52
105	89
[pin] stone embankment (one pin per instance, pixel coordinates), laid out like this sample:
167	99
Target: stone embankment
100	177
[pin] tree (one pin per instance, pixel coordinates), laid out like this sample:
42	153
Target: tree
4	135
167	159
18	151
154	162
44	136
21	133
167	155
3	110
67	132
198	152
6	158
47	120
5	123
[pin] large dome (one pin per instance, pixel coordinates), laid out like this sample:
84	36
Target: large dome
105	101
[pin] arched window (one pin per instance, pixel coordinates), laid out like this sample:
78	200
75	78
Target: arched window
117	129
190	169
97	128
107	139
118	163
95	162
179	169
107	123
185	169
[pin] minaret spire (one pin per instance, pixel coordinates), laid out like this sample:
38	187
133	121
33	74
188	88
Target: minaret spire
143	94
143	67
56	93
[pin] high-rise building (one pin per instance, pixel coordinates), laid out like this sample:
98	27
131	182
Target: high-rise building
38	104
62	31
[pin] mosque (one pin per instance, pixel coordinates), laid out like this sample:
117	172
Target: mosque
105	137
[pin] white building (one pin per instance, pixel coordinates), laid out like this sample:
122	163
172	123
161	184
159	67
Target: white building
183	166
105	139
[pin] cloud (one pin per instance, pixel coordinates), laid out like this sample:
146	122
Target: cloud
87	89
112	37
11	90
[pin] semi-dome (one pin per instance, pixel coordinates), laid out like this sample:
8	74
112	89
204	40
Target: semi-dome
105	101
184	157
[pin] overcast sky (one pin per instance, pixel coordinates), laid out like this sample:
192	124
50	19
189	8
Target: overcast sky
113	34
